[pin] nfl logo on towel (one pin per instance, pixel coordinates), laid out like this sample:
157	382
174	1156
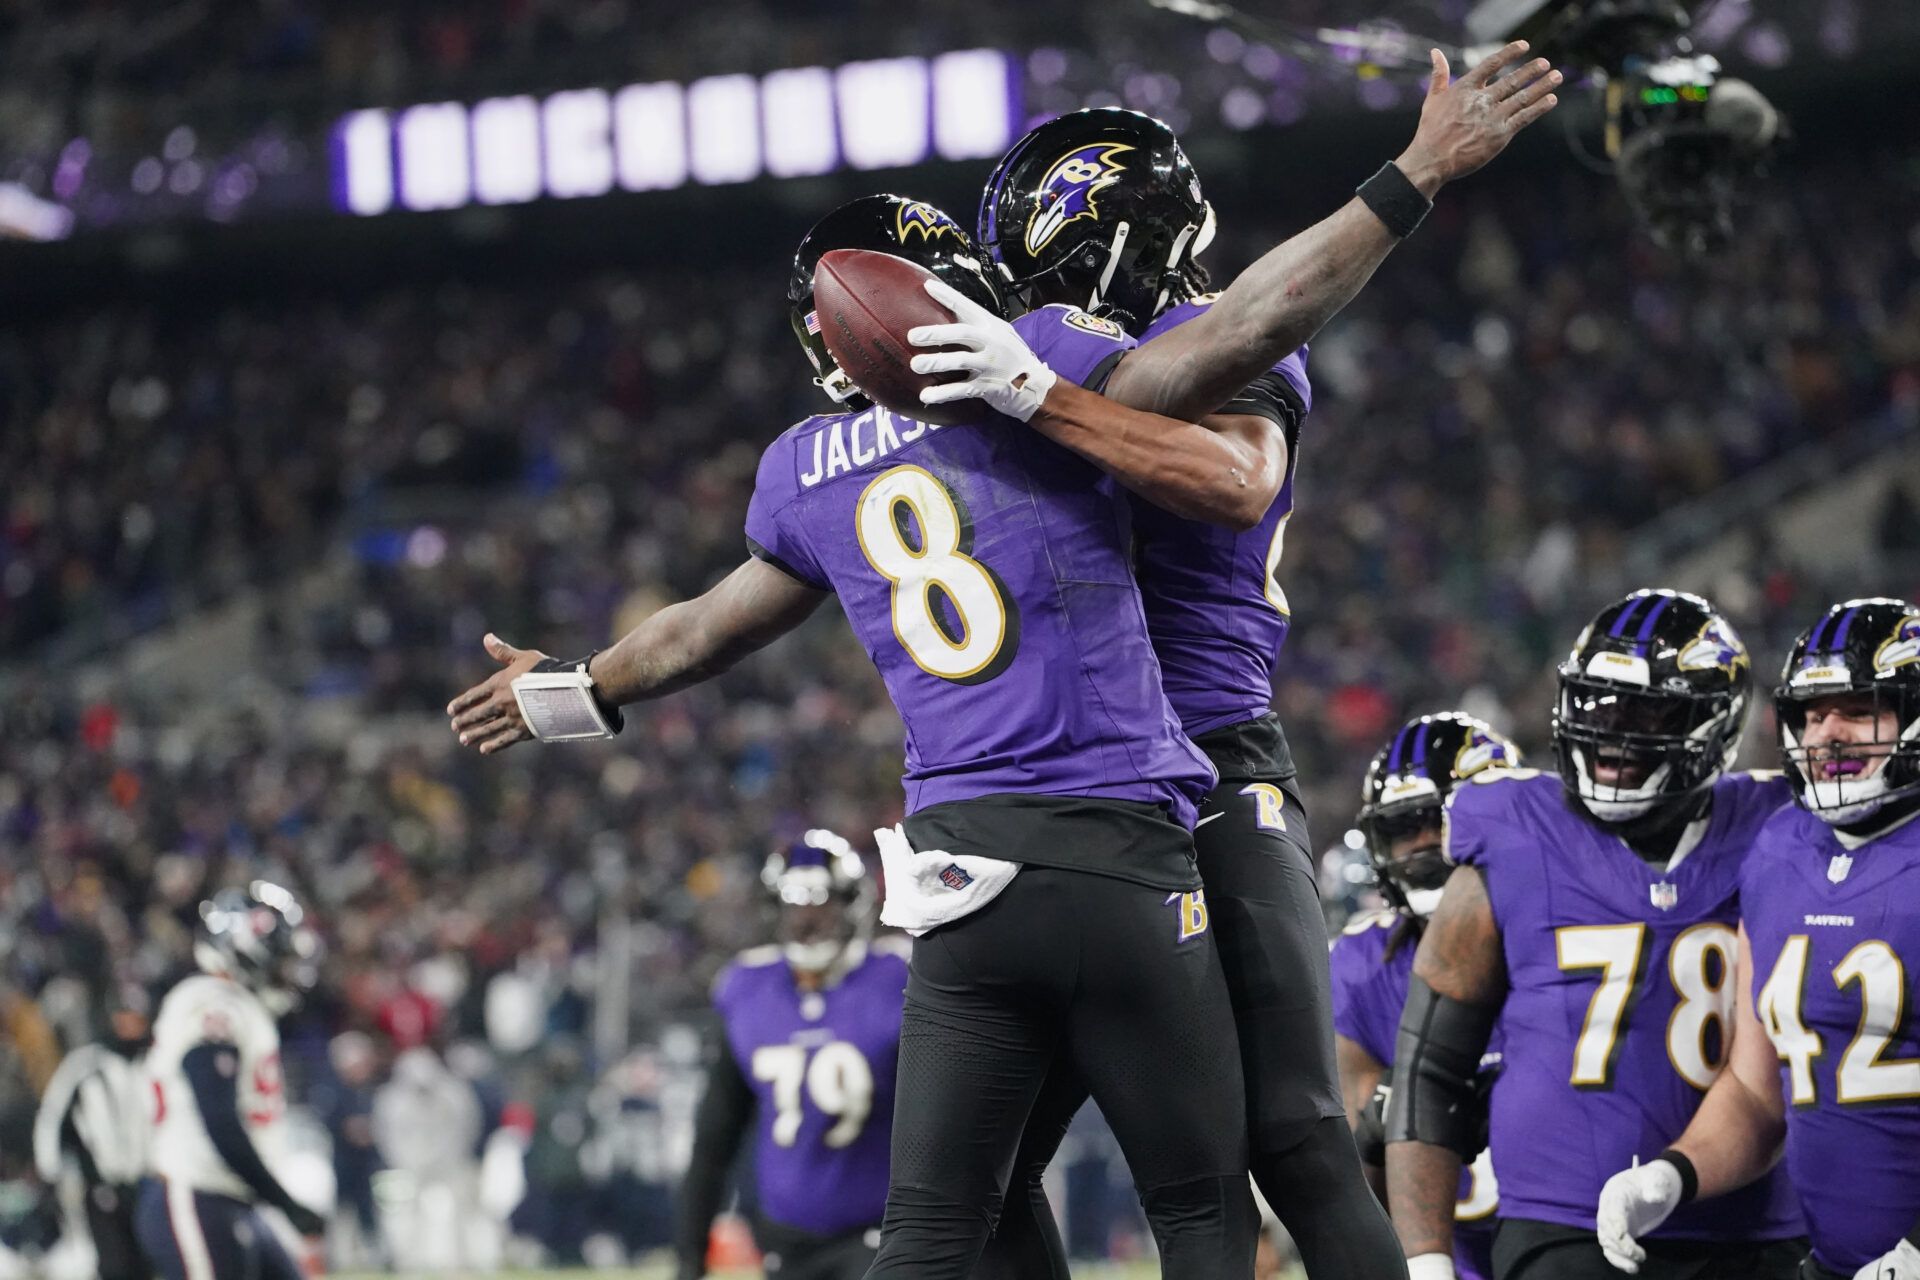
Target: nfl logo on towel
953	877
1664	895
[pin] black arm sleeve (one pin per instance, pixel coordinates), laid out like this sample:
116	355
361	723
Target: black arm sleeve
1435	1062
726	1110
1271	396
212	1070
70	1139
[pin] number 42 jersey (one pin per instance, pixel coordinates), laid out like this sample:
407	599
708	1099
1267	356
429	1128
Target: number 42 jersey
985	570
1620	995
1835	934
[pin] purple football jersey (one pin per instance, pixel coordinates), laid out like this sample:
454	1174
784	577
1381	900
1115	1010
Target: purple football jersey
822	1067
1833	930
1369	991
985	570
1214	605
1619	992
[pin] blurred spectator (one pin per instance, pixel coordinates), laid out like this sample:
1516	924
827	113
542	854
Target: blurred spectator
344	1104
426	1124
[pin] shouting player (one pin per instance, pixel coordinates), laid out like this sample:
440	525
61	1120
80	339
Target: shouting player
1102	209
1825	1053
1593	916
811	1034
219	1101
1407	783
985	571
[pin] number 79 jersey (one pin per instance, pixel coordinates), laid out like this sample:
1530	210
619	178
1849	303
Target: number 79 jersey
1619	999
822	1066
1835	934
985	570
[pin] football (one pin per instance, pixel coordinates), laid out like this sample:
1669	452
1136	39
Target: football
867	303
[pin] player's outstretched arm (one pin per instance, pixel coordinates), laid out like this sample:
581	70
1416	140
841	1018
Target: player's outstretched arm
1459	983
1361	1078
726	1111
212	1071
679	646
1227	472
1283	299
1734	1137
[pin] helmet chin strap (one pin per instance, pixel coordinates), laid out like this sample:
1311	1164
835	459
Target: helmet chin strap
1173	261
1113	262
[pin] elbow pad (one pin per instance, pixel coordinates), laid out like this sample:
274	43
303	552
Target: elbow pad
1435	1061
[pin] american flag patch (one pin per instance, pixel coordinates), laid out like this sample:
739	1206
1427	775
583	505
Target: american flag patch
813	322
953	877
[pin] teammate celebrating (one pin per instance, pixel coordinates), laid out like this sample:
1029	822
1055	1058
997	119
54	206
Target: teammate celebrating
1407	783
985	571
1594	917
811	1038
1102	209
218	1096
1828	927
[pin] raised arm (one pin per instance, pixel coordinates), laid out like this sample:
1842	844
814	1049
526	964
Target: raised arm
1283	299
1735	1137
681	645
1225	472
1459	983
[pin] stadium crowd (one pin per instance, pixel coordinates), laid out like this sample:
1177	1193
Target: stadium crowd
390	477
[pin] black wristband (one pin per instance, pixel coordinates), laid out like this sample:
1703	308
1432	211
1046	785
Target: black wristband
1394	200
616	720
1689	1179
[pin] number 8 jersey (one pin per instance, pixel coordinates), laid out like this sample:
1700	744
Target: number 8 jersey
1619	999
986	572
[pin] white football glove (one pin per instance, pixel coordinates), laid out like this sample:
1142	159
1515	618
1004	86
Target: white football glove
1001	368
1431	1266
1634	1202
1902	1262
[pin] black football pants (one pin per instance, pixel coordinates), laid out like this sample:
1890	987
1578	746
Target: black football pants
1120	984
1527	1250
1264	899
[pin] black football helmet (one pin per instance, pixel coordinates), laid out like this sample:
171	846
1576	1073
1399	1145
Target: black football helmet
1652	702
258	937
1868	648
910	229
1099	209
819	870
1406	788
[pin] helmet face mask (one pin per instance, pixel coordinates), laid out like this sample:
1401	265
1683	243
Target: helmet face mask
1403	802
1848	711
910	229
1098	209
1652	702
823	898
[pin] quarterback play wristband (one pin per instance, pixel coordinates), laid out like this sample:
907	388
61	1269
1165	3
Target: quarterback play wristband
558	702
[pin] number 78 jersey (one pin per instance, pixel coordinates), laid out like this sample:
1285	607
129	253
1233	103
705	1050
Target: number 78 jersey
986	572
1620	995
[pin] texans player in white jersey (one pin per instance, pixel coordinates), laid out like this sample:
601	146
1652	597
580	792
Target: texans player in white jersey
218	1096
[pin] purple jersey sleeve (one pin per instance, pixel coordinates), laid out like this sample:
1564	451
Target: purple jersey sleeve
772	537
1365	1009
1075	345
